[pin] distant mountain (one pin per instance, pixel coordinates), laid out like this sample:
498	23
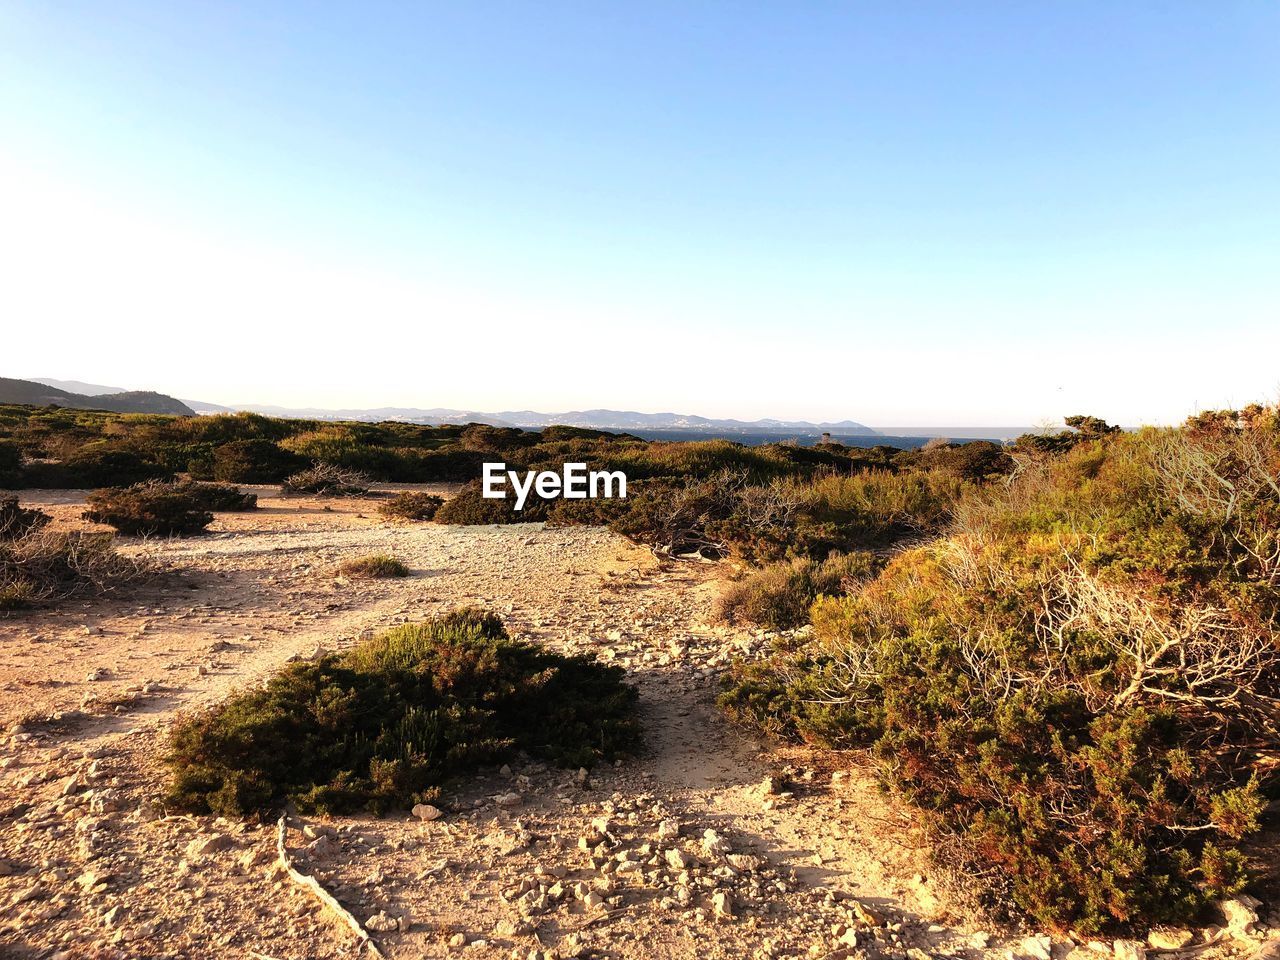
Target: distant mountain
532	419
199	406
79	386
103	397
631	420
39	394
99	390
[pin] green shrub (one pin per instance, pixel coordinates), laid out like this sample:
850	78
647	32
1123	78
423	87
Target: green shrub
94	467
779	596
327	479
10	465
218	497
254	460
375	566
150	509
451	465
1080	679
352	447
388	723
411	505
470	508
974	460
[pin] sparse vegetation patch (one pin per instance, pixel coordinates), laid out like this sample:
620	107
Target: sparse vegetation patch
38	564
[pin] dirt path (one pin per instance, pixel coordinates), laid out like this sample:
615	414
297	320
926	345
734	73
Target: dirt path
683	852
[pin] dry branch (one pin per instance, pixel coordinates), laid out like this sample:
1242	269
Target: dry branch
312	885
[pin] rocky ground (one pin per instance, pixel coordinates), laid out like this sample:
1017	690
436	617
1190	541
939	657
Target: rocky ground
708	845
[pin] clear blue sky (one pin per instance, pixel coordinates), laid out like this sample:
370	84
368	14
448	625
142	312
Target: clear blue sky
899	213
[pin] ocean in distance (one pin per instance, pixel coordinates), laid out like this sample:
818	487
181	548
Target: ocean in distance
752	439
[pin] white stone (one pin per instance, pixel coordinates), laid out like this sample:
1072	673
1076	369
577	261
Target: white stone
1169	939
722	904
381	923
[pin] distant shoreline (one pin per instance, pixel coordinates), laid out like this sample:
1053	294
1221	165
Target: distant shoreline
757	439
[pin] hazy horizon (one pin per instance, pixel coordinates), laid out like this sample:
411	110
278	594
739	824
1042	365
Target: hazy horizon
907	213
73	383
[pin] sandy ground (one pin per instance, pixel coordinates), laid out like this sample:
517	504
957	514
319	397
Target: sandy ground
707	845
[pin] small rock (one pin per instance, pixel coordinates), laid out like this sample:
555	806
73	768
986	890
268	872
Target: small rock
1240	914
426	812
1129	950
714	844
1169	939
203	846
865	914
381	923
508	799
722	904
1038	948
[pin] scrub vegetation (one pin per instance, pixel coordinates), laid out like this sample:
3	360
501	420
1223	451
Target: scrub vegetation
166	509
387	723
1080	676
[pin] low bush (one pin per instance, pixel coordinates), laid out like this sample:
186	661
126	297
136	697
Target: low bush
779	596
150	509
975	460
330	480
470	508
375	566
39	564
411	505
218	497
388	723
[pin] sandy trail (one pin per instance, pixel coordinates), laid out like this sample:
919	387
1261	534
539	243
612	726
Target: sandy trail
91	865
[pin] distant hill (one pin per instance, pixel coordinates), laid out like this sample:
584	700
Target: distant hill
531	419
39	394
79	386
598	419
